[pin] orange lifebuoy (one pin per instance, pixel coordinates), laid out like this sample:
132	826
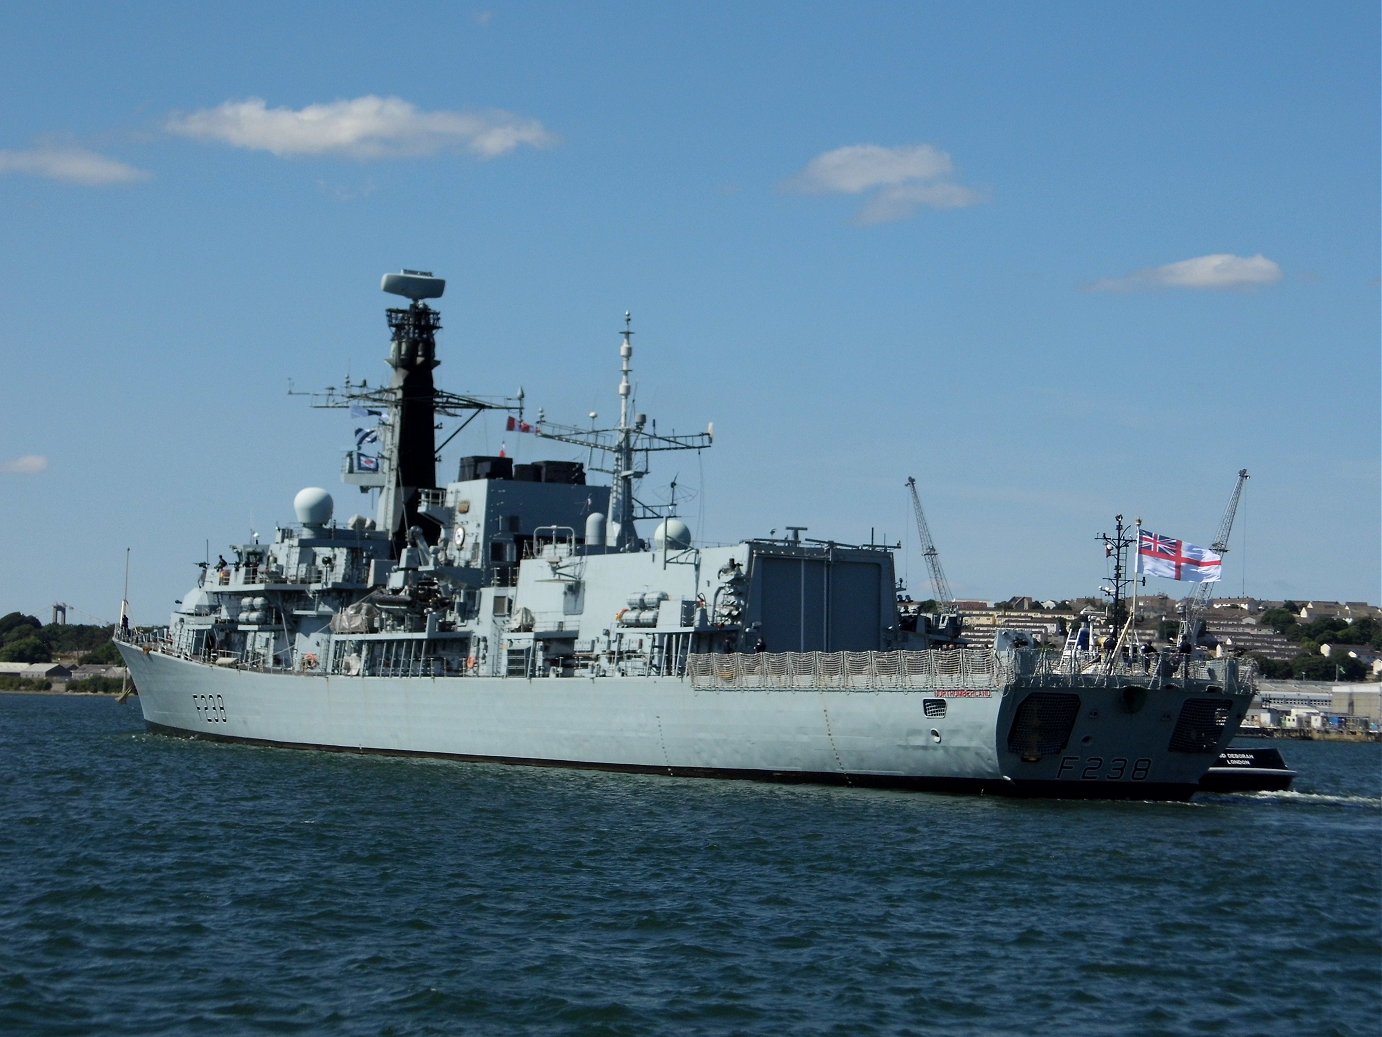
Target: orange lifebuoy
470	663
310	660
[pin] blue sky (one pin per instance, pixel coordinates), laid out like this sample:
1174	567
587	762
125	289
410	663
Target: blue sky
1057	261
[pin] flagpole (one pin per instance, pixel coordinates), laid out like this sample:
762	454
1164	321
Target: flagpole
1136	569
124	629
125	595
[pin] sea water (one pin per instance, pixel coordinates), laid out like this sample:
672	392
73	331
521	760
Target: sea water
154	885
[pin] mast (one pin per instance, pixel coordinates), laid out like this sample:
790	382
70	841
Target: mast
621	489
1133	582
413	357
1114	547
622	445
406	465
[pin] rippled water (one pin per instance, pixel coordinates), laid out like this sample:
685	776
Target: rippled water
154	885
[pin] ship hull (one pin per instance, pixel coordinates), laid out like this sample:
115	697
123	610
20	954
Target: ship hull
667	725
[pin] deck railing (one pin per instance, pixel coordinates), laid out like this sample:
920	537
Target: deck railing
960	668
951	669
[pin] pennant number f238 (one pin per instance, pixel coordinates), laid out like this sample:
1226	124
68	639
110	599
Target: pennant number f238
210	708
1097	768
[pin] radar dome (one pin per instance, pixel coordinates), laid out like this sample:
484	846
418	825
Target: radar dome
313	506
672	534
595	528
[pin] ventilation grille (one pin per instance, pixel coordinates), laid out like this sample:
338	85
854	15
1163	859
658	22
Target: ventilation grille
1200	726
933	707
1043	723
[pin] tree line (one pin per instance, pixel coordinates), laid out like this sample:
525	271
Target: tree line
23	639
1308	663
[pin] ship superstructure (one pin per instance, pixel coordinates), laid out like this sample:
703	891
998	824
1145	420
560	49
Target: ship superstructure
526	613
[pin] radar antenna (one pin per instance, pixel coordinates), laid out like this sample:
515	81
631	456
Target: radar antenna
407	409
627	447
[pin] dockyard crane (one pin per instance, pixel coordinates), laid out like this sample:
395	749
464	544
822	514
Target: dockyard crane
944	599
1191	624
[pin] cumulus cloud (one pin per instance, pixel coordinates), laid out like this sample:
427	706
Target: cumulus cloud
897	181
364	128
1215	273
29	464
71	164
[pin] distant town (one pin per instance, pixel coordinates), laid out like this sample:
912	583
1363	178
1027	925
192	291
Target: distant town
1319	663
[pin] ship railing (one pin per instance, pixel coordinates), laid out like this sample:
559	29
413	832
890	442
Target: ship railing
153	639
869	671
948	669
554	542
429	667
1152	670
160	640
555	622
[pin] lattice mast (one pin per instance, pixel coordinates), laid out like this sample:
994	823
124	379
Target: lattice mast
627	447
1192	623
1120	620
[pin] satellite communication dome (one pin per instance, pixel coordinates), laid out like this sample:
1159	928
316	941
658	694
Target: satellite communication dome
595	528
313	506
672	534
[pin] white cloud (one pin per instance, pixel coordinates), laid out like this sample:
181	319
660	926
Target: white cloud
898	203
899	181
364	128
1216	272
29	464
860	167
72	164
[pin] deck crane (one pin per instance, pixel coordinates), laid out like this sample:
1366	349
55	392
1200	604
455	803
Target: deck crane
947	622
1192	623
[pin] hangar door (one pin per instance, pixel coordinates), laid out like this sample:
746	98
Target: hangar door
818	605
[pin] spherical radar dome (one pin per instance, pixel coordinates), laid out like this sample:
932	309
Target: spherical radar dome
313	506
673	534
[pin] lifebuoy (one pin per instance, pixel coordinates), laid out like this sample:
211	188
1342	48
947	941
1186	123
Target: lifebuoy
309	661
470	663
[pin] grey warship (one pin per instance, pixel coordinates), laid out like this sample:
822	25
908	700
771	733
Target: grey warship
531	614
